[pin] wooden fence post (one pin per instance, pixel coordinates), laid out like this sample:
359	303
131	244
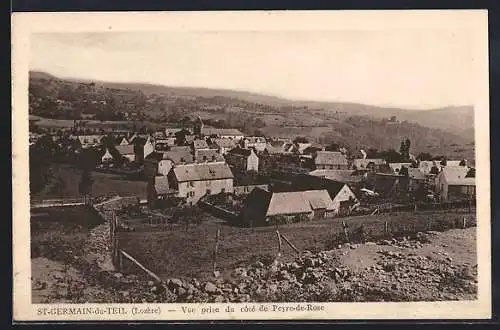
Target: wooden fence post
463	223
346	234
279	243
290	243
216	248
386	229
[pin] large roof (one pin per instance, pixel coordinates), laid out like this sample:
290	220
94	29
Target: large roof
200	144
208	155
176	157
296	202
125	149
330	158
221	131
457	175
202	172
161	185
224	143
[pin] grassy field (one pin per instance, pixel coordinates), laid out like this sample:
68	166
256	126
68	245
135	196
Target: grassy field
56	231
171	251
104	184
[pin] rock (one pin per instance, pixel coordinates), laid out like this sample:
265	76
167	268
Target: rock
210	288
181	292
259	264
174	283
370	243
219	299
125	293
353	246
39	285
151	283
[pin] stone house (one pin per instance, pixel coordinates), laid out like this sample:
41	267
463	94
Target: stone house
258	143
264	207
456	183
143	146
127	152
160	163
243	160
193	181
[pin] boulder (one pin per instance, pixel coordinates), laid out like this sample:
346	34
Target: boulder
210	288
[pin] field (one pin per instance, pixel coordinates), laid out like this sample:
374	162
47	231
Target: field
171	251
54	231
68	123
104	184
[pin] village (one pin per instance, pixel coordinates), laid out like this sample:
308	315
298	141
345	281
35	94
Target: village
262	178
203	182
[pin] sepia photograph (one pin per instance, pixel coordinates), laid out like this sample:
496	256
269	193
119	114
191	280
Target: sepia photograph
238	166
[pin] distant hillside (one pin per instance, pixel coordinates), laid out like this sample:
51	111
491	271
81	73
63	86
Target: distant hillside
446	130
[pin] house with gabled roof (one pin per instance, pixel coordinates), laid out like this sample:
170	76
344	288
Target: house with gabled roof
126	152
263	207
331	160
258	143
456	183
106	157
396	167
223	145
193	181
208	156
143	146
243	160
160	163
158	191
228	133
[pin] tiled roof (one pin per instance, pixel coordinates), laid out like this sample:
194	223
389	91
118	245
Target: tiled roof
224	143
125	150
208	155
299	202
162	186
200	144
456	175
221	131
330	158
202	172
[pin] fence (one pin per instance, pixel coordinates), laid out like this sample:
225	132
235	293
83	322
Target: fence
34	203
122	260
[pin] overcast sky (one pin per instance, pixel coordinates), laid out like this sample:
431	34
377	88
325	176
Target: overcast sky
408	68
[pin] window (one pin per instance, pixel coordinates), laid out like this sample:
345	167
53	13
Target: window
191	183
